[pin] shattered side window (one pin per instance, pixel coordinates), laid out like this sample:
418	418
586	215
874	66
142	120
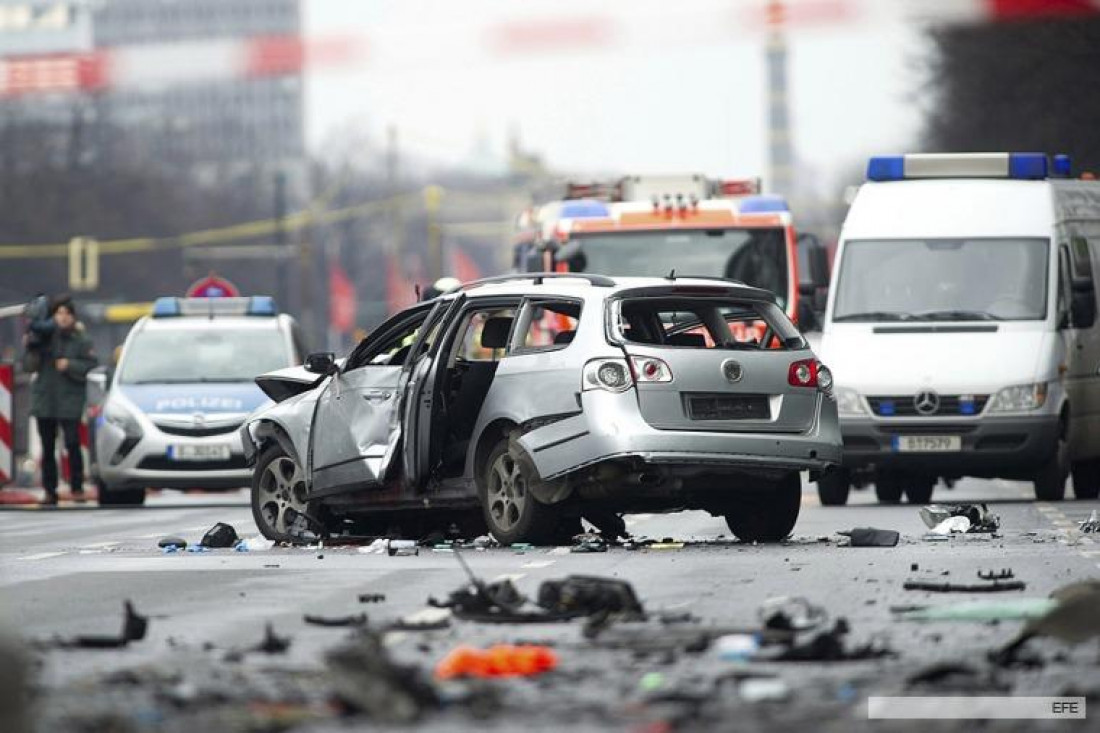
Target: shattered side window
550	324
482	334
706	323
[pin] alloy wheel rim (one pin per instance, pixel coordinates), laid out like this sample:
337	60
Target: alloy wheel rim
282	495
507	492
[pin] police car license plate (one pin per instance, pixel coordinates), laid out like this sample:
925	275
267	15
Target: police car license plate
927	443
202	452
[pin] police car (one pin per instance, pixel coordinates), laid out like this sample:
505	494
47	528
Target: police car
182	388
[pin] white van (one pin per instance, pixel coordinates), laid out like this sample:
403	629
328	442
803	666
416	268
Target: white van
961	326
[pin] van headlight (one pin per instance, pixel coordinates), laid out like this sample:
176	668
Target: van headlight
1019	398
122	418
848	402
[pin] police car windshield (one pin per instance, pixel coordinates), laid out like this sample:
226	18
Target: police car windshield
756	257
217	354
943	280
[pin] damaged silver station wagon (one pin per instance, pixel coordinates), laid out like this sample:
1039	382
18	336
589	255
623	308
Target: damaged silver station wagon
527	402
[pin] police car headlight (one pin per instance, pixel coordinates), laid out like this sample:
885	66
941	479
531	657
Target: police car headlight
1019	398
122	418
848	402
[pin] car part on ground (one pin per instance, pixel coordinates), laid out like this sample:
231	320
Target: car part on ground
134	628
871	537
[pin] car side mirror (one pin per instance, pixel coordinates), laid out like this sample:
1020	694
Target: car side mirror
97	384
323	362
1082	310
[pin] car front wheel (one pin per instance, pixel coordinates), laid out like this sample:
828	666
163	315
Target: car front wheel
279	496
119	497
833	487
512	513
769	514
1050	480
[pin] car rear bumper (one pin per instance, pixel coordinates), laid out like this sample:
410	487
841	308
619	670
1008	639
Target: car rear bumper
1002	447
611	428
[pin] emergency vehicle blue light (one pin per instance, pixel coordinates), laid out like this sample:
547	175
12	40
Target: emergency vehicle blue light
262	305
584	209
967	407
886	408
1063	166
886	168
763	204
1027	165
166	306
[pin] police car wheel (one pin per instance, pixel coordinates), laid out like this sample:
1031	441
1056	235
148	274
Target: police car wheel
119	497
511	511
888	489
1086	479
279	501
833	487
767	514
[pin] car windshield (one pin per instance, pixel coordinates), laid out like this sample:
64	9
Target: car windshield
943	280
756	257
203	355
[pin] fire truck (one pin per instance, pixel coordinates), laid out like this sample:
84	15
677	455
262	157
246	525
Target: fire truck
676	225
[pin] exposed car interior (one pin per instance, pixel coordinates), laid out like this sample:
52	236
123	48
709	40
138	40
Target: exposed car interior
704	323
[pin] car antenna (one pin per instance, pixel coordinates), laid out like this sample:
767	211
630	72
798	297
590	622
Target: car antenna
671	274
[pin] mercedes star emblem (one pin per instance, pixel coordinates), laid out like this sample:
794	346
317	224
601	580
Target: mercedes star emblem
927	402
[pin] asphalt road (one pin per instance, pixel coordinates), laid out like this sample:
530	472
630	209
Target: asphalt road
66	572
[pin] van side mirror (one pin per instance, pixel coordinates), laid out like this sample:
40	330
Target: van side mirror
1082	309
97	384
321	363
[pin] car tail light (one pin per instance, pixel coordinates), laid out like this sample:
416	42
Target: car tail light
611	375
649	369
803	373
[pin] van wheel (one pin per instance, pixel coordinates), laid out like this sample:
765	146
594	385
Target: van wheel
769	514
1050	480
119	497
919	490
833	487
1086	479
512	513
279	496
888	489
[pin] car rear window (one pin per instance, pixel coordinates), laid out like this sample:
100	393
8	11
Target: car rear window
703	323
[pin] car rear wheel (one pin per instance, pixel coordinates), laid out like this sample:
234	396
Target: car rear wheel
768	514
1086	479
119	497
279	496
833	487
1050	480
512	513
919	489
888	489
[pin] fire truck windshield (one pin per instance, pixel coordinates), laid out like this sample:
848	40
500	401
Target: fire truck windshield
754	256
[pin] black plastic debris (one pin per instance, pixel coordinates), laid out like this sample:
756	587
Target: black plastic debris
372	597
589	542
177	542
134	628
219	536
271	643
585	595
366	681
871	537
790	613
829	646
994	586
1090	525
1002	574
359	619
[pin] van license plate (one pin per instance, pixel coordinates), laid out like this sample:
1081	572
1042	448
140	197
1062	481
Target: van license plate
927	443
209	452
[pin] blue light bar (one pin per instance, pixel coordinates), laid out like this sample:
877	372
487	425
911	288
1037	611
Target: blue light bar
1029	166
1063	166
166	307
262	305
585	209
765	204
886	408
886	168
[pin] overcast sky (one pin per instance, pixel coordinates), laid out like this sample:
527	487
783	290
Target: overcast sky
599	85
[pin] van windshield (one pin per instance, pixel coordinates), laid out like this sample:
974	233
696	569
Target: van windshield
203	355
756	257
943	280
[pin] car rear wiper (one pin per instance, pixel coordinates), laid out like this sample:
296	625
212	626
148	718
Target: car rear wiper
874	316
957	315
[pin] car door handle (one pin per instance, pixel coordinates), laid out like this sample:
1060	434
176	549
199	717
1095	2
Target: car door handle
376	394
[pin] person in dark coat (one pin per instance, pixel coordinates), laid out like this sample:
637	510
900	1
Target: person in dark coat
62	362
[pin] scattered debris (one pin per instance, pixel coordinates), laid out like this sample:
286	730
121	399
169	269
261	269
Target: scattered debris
1017	609
828	646
978	518
367	681
177	542
372	597
402	548
378	547
254	544
993	586
220	535
587	595
952	525
736	647
871	537
763	689
1090	525
502	660
428	619
336	621
1003	574
1072	620
134	628
589	542
271	643
790	613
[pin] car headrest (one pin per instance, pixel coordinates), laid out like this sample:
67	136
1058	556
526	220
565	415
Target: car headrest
494	334
564	337
695	340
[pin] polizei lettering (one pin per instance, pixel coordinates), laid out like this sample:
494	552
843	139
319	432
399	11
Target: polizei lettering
203	404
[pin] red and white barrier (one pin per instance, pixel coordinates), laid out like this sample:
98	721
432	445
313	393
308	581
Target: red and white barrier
7	421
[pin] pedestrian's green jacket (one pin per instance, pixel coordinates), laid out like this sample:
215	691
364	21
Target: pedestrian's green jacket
61	395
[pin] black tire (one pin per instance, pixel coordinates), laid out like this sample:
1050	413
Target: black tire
279	497
1086	479
833	487
511	512
1050	480
769	514
919	490
119	497
888	489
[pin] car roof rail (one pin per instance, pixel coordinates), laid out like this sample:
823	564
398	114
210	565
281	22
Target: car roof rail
599	281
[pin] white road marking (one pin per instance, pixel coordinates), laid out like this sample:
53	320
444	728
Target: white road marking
538	564
509	576
41	556
100	545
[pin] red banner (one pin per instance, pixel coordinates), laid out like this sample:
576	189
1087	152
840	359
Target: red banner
341	300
